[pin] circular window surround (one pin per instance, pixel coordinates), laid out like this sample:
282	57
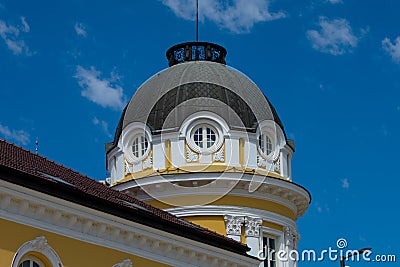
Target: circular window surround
206	123
275	134
131	133
273	146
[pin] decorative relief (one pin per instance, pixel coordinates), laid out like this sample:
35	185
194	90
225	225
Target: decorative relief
261	162
124	263
252	226
220	155
233	224
128	167
191	156
291	237
277	165
39	243
148	163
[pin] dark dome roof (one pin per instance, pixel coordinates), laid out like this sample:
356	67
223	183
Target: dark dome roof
194	86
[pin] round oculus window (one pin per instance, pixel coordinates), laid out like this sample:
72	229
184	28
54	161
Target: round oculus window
140	146
265	144
204	137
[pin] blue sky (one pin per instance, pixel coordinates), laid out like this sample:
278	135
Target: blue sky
331	68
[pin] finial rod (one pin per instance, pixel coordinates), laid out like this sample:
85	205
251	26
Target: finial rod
197	20
37	145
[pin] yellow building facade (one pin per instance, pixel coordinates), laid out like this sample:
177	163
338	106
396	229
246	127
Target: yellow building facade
52	216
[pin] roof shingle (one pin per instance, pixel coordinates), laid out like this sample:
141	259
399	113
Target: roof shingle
41	174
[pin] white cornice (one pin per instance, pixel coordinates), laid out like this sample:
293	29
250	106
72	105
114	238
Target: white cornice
276	190
64	218
211	210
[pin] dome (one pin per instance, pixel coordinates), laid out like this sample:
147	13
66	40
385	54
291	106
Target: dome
200	140
198	85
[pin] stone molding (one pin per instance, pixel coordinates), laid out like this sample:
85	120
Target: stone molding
61	217
39	244
124	263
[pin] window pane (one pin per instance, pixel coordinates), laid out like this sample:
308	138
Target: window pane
269	250
198	137
143	145
139	146
211	137
271	243
261	142
25	264
135	147
268	145
35	264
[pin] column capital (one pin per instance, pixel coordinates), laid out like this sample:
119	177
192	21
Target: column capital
291	237
233	224
252	226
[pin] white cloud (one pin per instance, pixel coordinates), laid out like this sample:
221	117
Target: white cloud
345	183
104	92
103	125
321	209
80	29
335	1
238	16
11	37
19	136
334	36
393	49
25	25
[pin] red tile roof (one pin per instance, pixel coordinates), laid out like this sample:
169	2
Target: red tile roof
41	174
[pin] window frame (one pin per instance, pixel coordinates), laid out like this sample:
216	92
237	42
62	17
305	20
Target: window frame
32	259
267	261
140	140
39	249
264	138
130	137
279	242
204	123
204	136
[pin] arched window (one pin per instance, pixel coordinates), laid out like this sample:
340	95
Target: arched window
30	261
140	145
265	144
29	253
204	136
